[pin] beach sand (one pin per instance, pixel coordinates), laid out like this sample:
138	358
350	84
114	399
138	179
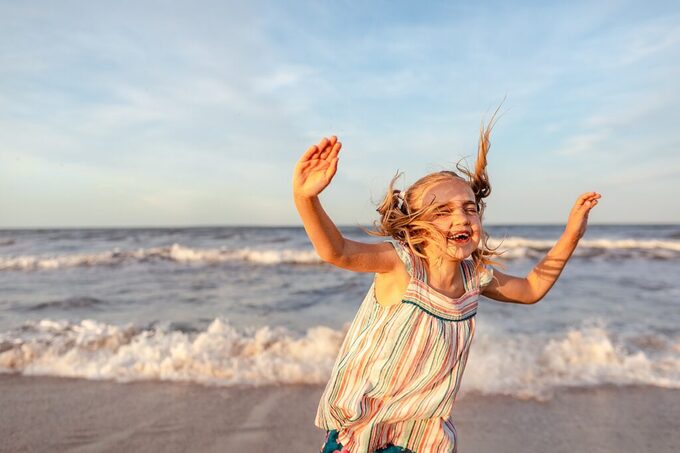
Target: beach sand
73	415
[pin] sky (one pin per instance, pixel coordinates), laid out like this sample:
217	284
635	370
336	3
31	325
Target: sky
143	113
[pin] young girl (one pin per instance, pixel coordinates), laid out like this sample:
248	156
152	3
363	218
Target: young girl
395	379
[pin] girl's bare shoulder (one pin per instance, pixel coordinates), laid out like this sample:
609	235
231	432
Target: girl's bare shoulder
391	286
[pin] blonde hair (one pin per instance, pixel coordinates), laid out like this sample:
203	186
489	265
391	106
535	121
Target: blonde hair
402	218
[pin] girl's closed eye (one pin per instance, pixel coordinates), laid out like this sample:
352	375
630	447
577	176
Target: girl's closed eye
470	210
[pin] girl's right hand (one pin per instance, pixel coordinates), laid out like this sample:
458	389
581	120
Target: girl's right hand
316	168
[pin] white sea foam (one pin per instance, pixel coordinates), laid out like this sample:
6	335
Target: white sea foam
219	355
519	247
647	244
518	365
514	247
174	253
530	366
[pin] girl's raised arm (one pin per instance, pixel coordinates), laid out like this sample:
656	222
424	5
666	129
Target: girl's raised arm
313	172
535	286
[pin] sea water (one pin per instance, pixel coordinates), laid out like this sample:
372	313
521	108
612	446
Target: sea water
255	305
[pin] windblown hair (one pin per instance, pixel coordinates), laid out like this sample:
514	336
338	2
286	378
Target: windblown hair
402	218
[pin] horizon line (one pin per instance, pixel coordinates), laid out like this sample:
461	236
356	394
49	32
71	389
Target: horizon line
198	226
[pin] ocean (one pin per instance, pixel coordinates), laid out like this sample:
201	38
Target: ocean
232	306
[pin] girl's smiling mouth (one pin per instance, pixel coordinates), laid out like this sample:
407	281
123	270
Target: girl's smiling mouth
459	238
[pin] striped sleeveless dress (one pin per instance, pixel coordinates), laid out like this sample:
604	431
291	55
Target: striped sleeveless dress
399	368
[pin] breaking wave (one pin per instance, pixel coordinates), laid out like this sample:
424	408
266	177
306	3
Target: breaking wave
518	365
514	247
174	253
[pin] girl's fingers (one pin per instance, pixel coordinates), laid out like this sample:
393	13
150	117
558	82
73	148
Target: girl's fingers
309	153
585	203
589	204
588	196
585	196
332	169
326	148
322	144
329	151
336	149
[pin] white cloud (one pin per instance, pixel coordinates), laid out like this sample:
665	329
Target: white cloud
582	145
194	97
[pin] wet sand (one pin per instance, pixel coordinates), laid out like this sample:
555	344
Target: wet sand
73	415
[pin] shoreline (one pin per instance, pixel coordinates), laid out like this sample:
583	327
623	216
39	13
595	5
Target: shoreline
69	414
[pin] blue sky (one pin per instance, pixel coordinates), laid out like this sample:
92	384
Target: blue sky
184	113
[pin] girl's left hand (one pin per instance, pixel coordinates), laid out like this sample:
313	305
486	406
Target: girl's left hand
578	217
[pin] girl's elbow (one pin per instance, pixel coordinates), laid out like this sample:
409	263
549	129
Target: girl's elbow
534	299
533	294
332	257
329	258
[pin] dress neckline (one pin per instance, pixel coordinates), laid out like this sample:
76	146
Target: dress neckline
412	281
426	281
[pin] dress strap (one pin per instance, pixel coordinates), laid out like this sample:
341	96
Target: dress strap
468	274
473	279
413	264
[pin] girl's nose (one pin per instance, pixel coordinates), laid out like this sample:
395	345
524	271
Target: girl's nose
459	216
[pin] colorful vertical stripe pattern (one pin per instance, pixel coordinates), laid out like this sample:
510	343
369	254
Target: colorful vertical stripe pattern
399	368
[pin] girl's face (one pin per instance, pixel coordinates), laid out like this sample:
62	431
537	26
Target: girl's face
457	218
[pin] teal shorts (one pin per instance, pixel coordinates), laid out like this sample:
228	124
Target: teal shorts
331	445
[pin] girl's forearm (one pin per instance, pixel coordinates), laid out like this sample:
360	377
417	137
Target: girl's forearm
545	273
325	236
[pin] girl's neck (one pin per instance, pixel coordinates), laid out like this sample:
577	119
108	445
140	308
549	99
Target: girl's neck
442	272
